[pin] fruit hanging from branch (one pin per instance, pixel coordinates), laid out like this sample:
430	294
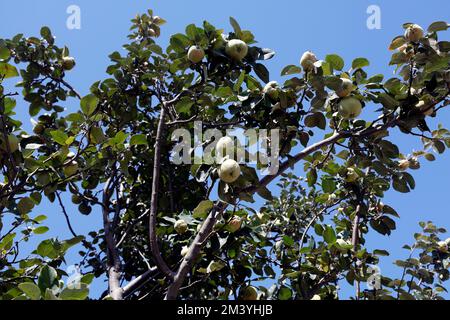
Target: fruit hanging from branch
307	61
196	54
346	88
272	90
229	171
413	33
68	63
180	226
350	108
236	49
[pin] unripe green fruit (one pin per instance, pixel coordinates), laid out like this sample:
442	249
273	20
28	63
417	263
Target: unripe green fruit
234	225
196	54
68	63
403	165
272	90
229	171
76	199
307	61
351	176
414	163
442	246
236	49
84	208
422	104
224	147
414	33
248	293
39	128
180	226
346	88
350	108
71	169
184	251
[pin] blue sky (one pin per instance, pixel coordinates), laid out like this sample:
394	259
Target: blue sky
289	27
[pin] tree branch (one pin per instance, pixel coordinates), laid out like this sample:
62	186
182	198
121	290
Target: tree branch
63	208
113	259
154	247
195	249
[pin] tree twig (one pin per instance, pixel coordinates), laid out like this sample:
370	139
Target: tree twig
63	208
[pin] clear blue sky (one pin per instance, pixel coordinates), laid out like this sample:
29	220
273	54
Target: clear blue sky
289	27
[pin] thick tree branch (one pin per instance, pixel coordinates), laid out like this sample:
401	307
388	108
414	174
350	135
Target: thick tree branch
154	247
355	242
113	259
195	249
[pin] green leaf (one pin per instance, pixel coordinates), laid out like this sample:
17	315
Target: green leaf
87	278
120	137
400	185
47	278
285	294
288	241
184	105
236	27
335	61
316	119
265	193
203	209
97	135
379	252
397	42
4	53
60	137
360	63
25	205
238	84
47	34
438	26
262	72
31	290
138	139
74	294
40	230
291	69
48	248
66	244
328	185
329	235
7	71
438	146
89	104
7	241
49	295
311	176
193	33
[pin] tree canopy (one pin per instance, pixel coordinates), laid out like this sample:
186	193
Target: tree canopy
184	231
